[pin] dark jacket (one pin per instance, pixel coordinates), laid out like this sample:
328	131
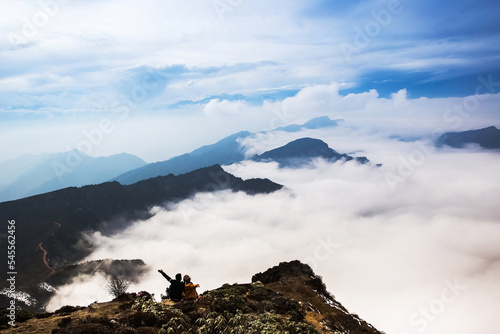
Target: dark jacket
176	288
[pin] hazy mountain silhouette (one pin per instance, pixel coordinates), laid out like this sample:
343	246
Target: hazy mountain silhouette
30	175
315	123
302	151
487	138
223	152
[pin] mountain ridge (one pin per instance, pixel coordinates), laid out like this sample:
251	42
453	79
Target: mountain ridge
224	152
488	138
48	172
55	221
314	123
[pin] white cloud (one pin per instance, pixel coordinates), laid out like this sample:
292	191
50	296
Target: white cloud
83	289
223	107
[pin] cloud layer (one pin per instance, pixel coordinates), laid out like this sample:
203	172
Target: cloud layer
409	258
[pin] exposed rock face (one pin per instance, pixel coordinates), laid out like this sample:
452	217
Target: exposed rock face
275	274
298	281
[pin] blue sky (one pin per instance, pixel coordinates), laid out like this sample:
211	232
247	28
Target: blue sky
64	63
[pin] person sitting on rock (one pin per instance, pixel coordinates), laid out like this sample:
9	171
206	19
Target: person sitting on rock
189	289
176	286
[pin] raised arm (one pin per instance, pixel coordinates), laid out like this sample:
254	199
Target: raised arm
164	275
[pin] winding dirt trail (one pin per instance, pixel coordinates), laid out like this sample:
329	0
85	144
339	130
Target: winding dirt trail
45	262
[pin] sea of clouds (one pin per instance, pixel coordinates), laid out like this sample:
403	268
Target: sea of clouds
411	246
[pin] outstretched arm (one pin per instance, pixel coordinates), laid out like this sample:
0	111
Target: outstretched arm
164	275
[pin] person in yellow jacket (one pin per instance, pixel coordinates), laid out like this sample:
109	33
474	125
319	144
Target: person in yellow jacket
189	289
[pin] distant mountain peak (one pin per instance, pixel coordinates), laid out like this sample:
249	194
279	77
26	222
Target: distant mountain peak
319	122
315	123
301	152
34	175
488	138
299	148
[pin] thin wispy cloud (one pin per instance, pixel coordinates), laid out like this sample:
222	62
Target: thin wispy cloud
78	47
